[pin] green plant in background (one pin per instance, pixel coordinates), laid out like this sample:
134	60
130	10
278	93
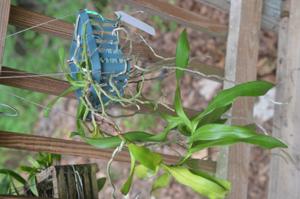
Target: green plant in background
204	130
13	183
37	53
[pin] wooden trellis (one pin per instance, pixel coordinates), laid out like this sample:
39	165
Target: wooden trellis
241	58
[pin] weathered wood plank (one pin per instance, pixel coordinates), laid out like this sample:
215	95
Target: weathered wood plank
4	15
25	18
75	148
61	181
223	5
271	14
285	177
29	81
271	11
182	16
240	66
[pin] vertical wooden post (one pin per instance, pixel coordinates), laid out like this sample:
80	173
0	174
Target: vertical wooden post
4	15
68	182
240	66
285	177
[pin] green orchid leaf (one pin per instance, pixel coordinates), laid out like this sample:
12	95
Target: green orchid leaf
134	136
265	141
101	183
219	134
32	184
114	141
182	54
52	103
160	137
213	117
179	109
28	169
55	157
33	162
224	183
80	115
143	172
13	175
43	160
5	186
227	96
126	187
172	119
13	185
149	159
161	182
199	183
218	131
173	122
61	56
75	83
62	60
184	130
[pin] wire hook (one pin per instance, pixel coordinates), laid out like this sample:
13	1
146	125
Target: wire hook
11	113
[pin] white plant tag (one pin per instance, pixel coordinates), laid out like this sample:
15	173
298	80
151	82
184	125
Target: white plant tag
135	22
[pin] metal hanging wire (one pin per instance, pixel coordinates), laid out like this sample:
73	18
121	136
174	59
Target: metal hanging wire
9	112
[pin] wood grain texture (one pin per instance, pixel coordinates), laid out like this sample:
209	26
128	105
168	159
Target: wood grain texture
285	177
60	181
271	11
59	28
4	15
20	79
180	15
75	148
240	66
24	18
223	5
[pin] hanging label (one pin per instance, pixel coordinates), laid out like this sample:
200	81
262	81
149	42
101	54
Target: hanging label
135	22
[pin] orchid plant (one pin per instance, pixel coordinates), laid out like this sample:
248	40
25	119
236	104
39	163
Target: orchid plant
206	129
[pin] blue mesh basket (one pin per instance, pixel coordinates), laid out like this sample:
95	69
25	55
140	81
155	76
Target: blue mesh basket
104	54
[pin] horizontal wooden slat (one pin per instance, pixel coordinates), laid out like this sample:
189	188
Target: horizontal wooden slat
24	80
180	15
75	148
271	11
48	85
24	18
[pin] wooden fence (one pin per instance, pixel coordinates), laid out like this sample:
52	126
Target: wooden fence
246	17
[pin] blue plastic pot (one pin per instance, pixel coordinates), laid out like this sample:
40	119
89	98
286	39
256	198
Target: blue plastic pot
104	54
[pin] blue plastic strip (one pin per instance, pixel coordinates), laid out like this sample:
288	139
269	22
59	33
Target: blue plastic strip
104	53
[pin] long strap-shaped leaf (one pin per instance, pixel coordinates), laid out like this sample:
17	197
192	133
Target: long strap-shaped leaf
133	136
220	134
201	184
227	97
13	175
